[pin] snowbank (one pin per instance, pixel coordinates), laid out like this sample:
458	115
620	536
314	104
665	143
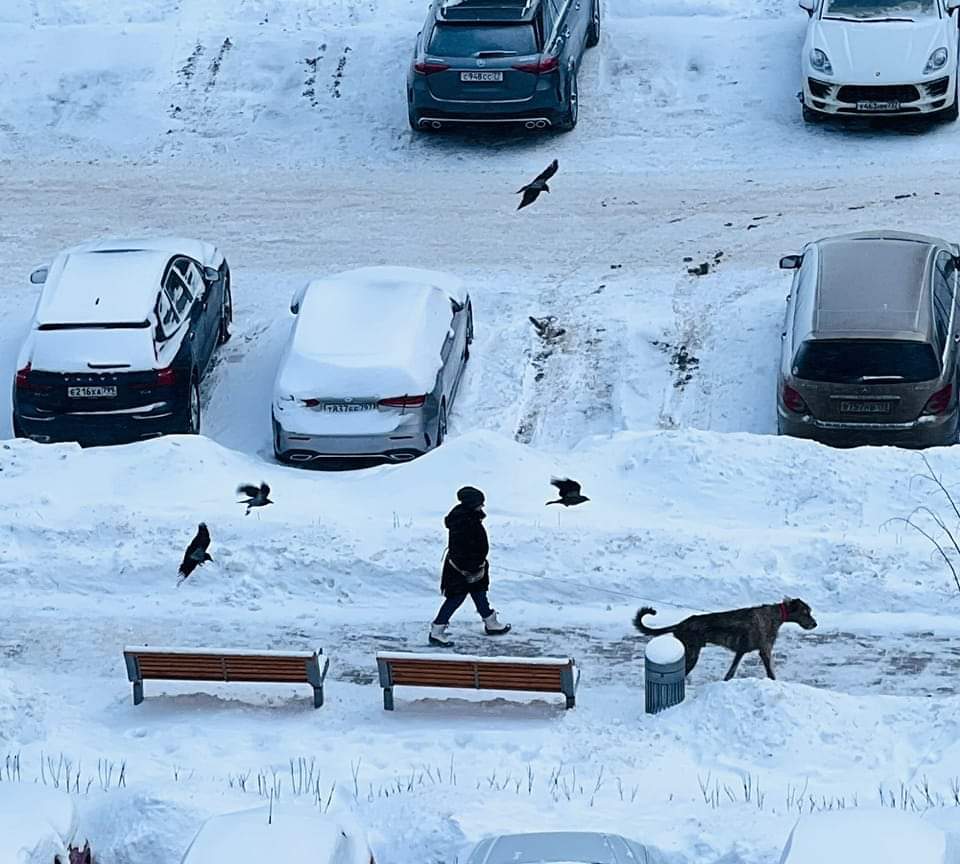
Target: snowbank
36	823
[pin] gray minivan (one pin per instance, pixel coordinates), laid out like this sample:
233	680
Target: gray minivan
869	353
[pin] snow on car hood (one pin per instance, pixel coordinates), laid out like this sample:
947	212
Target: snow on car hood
370	333
880	52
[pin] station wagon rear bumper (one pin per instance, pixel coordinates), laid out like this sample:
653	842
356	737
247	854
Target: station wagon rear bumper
927	432
543	109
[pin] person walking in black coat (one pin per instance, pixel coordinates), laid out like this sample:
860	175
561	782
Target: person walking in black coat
466	570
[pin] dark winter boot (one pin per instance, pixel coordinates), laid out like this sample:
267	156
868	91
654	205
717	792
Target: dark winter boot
493	627
439	637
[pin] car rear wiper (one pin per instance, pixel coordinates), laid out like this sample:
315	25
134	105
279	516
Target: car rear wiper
495	53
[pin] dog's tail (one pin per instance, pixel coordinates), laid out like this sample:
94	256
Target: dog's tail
650	631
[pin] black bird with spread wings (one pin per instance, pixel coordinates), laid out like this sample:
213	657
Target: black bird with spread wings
257	496
532	190
196	553
569	492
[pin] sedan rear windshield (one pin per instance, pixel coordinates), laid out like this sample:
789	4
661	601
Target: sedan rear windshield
472	40
879	10
860	361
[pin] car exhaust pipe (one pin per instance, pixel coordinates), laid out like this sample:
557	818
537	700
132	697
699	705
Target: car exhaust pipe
435	124
530	124
301	457
541	124
401	457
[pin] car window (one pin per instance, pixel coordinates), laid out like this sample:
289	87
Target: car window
852	361
805	291
469	40
176	287
943	287
166	315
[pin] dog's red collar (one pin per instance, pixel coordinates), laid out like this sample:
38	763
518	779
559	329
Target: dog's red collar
783	613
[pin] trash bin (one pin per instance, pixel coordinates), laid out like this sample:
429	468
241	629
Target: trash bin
664	673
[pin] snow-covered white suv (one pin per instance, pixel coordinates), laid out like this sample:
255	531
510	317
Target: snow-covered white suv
880	57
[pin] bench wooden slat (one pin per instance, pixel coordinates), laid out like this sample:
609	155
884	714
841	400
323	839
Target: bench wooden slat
230	666
456	671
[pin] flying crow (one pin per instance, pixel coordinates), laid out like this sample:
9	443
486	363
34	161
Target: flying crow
532	190
196	553
569	492
256	496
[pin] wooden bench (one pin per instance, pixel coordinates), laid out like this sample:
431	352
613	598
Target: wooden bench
532	674
200	664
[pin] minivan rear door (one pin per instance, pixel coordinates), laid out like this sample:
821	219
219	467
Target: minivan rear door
866	380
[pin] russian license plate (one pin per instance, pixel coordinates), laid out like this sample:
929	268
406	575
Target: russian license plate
865	407
347	407
92	392
481	77
878	106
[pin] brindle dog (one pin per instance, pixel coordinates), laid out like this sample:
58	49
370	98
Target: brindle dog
738	630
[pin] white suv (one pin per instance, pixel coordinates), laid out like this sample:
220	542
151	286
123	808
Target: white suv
880	58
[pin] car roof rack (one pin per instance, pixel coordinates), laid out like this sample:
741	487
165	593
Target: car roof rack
486	10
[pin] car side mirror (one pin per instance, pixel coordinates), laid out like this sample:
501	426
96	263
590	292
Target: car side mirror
211	275
808	6
39	276
791	262
953	5
297	300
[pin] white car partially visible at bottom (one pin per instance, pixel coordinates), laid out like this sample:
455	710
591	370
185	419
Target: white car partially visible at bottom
372	367
281	836
888	58
868	836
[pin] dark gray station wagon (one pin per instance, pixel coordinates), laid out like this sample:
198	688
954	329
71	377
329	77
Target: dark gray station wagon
501	61
870	341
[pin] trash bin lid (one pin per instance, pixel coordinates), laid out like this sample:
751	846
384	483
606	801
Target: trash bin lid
664	650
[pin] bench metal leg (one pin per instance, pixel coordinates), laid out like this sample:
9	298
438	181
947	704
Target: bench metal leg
388	698
571	702
137	692
318	697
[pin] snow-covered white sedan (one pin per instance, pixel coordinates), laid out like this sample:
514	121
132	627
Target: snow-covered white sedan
880	58
372	367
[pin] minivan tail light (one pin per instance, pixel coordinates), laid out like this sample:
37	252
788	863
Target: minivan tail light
403	402
429	68
939	401
165	377
23	378
310	403
793	401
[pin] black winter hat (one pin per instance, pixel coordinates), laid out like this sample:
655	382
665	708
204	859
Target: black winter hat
470	496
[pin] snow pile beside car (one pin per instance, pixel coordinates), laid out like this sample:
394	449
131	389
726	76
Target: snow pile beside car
36	823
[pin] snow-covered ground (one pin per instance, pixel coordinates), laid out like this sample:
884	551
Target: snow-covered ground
292	153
